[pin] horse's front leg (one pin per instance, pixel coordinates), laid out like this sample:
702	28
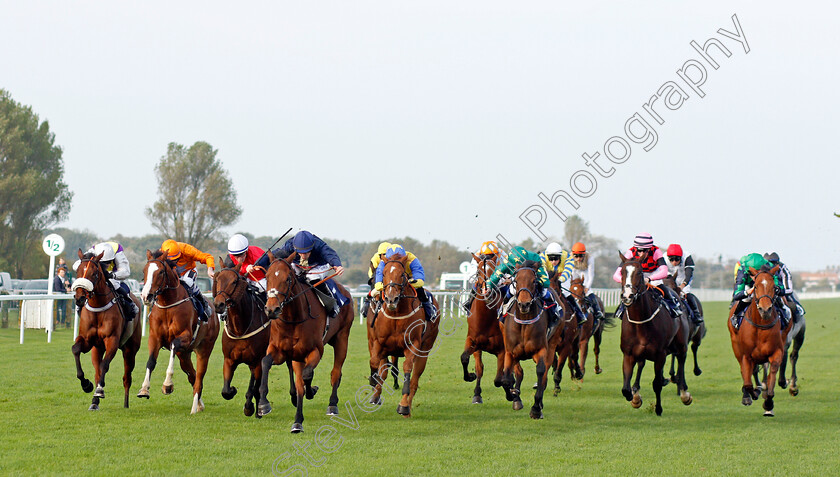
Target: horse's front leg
79	347
748	369
168	385
111	346
339	356
479	372
228	369
770	392
469	348
507	375
627	368
300	388
253	383
542	374
404	408
154	349
682	385
308	372
658	380
96	358
264	407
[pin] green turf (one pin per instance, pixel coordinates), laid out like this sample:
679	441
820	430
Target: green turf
588	429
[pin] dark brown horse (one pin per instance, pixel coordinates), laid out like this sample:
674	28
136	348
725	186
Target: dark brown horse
649	332
589	329
102	328
400	328
567	346
759	338
484	332
696	331
525	334
246	331
299	329
174	324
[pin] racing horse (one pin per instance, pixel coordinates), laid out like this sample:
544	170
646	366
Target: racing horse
589	329
174	324
525	334
246	331
649	332
102	328
400	328
299	329
759	339
696	331
567	347
484	333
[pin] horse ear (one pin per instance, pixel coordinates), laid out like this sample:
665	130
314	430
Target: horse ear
475	257
753	271
622	257
271	256
98	257
81	255
773	270
148	254
291	258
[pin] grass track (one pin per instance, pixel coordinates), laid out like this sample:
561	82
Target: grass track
588	429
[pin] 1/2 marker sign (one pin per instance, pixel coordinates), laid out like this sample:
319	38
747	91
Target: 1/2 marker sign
53	245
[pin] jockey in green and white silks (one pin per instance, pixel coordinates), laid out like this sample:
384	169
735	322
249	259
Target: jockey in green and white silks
518	256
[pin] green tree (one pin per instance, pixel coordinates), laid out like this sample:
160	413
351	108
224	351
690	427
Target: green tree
33	195
196	198
575	230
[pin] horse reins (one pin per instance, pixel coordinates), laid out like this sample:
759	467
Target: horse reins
233	298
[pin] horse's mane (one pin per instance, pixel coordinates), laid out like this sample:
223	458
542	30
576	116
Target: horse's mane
159	255
88	256
529	264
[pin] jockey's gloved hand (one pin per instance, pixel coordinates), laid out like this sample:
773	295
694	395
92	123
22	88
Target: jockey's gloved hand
779	291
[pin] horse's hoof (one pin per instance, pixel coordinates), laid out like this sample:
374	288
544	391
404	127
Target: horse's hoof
376	400
470	377
87	386
672	379
769	413
144	393
556	391
637	401
93	407
100	392
477	400
311	394
783	384
793	391
263	409
167	389
698	371
517	405
686	398
536	413
294	399
404	411
248	410
658	410
332	410
627	394
296	428
230	394
598	370
746	401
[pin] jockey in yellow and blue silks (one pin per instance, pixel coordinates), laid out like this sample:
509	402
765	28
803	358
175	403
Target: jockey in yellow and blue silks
488	251
518	256
560	265
375	260
416	276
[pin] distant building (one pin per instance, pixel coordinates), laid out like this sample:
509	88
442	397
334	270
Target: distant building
820	279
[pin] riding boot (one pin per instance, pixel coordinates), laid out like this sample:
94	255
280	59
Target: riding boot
327	299
738	314
365	305
428	306
581	316
505	308
200	305
696	316
673	302
619	312
469	301
784	311
596	308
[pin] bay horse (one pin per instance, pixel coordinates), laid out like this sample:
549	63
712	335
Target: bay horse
245	334
525	334
102	328
759	339
299	329
696	331
649	332
589	329
174	324
484	333
567	346
402	330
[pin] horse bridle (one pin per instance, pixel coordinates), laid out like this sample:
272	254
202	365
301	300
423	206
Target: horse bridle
97	273
634	295
532	294
165	268
756	300
401	285
235	295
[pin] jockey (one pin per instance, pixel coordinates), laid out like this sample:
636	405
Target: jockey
375	260
681	267
115	263
185	255
488	250
744	287
315	259
654	269
559	263
416	277
250	261
519	255
786	282
584	268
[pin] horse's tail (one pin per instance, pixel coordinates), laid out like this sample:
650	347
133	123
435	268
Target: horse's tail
609	320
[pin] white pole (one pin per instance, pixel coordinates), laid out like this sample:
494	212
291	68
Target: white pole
145	317
75	321
20	312
50	281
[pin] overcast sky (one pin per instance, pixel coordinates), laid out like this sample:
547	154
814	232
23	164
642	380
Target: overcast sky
438	119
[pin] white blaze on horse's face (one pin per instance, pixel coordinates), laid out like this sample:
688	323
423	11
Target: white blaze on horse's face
627	286
147	287
393	267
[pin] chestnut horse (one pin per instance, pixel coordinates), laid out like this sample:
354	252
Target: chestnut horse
759	339
246	332
484	333
589	329
174	324
567	346
402	330
299	329
525	334
649	332
102	328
